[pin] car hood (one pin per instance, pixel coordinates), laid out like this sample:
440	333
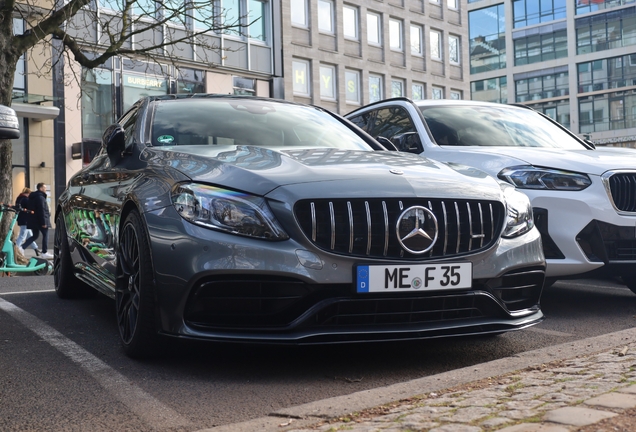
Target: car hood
326	171
493	160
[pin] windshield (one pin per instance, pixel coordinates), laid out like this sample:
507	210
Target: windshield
251	122
495	126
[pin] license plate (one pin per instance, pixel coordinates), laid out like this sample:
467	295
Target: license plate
417	277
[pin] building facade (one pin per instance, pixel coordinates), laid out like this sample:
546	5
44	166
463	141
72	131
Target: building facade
340	55
574	60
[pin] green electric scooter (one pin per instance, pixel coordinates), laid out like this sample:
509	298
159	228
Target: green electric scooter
37	266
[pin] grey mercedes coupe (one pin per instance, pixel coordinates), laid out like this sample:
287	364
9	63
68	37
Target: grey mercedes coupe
230	218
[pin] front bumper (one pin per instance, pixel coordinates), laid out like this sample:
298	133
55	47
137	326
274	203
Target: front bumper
217	286
581	231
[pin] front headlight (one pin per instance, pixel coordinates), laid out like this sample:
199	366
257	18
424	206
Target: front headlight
529	177
226	210
519	220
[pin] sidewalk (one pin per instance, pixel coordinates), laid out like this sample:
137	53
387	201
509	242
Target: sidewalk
587	385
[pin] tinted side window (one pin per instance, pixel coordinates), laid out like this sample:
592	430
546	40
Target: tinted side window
128	123
390	122
363	121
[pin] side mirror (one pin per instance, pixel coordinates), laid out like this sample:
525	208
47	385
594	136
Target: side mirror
9	126
114	139
386	143
408	142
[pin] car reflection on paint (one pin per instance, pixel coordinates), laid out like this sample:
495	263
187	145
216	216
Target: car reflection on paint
229	218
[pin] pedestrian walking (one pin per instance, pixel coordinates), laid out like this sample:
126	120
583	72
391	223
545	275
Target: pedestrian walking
21	204
39	220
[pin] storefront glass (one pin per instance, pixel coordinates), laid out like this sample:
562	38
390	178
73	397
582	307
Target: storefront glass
138	86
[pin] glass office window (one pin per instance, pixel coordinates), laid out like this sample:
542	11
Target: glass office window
397	88
437	93
256	16
375	88
586	6
556	110
453	49
299	12
373	29
609	111
530	12
540	47
453	4
487	28
328	82
352	86
417	91
604	74
395	34
546	86
455	95
416	40
436	44
606	31
325	16
301	78
490	90
350	22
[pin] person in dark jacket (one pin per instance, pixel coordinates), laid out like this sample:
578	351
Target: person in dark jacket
39	220
21	203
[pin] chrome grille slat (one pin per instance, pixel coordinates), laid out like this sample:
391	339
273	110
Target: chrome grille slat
333	226
481	225
386	228
366	227
313	222
350	226
368	211
470	226
459	227
445	227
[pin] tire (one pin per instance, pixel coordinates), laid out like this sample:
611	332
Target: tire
135	291
67	285
630	282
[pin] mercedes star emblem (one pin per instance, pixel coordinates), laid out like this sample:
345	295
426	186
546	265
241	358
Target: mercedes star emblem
417	230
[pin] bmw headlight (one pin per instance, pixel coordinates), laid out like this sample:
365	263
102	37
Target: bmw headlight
226	210
520	219
529	177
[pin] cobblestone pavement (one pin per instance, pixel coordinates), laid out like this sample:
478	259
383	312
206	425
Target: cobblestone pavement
591	393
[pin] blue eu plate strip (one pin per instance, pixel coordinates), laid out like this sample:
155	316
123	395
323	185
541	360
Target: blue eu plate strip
363	279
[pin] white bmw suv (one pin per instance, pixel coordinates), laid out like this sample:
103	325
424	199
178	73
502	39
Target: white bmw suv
584	198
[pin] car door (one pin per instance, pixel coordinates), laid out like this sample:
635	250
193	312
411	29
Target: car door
96	197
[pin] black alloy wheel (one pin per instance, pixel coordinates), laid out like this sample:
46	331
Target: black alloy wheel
134	290
67	285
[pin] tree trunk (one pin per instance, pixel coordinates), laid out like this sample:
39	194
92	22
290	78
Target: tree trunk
8	64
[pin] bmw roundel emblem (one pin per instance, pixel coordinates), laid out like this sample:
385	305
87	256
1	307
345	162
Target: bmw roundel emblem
416	230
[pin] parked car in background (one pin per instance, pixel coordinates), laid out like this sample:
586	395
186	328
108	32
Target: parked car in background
584	198
245	219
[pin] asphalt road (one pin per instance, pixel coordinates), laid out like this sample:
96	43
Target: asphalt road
62	368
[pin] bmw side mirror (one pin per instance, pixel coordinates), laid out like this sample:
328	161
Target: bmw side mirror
9	126
114	139
386	143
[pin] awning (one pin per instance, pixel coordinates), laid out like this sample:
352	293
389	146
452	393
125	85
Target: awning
35	112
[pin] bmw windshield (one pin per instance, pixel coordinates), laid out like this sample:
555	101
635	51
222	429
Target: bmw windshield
493	126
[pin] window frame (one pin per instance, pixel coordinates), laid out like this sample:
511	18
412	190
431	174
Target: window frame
332	22
356	74
454	40
333	84
438	47
307	64
356	22
305	13
399	47
378	28
380	86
